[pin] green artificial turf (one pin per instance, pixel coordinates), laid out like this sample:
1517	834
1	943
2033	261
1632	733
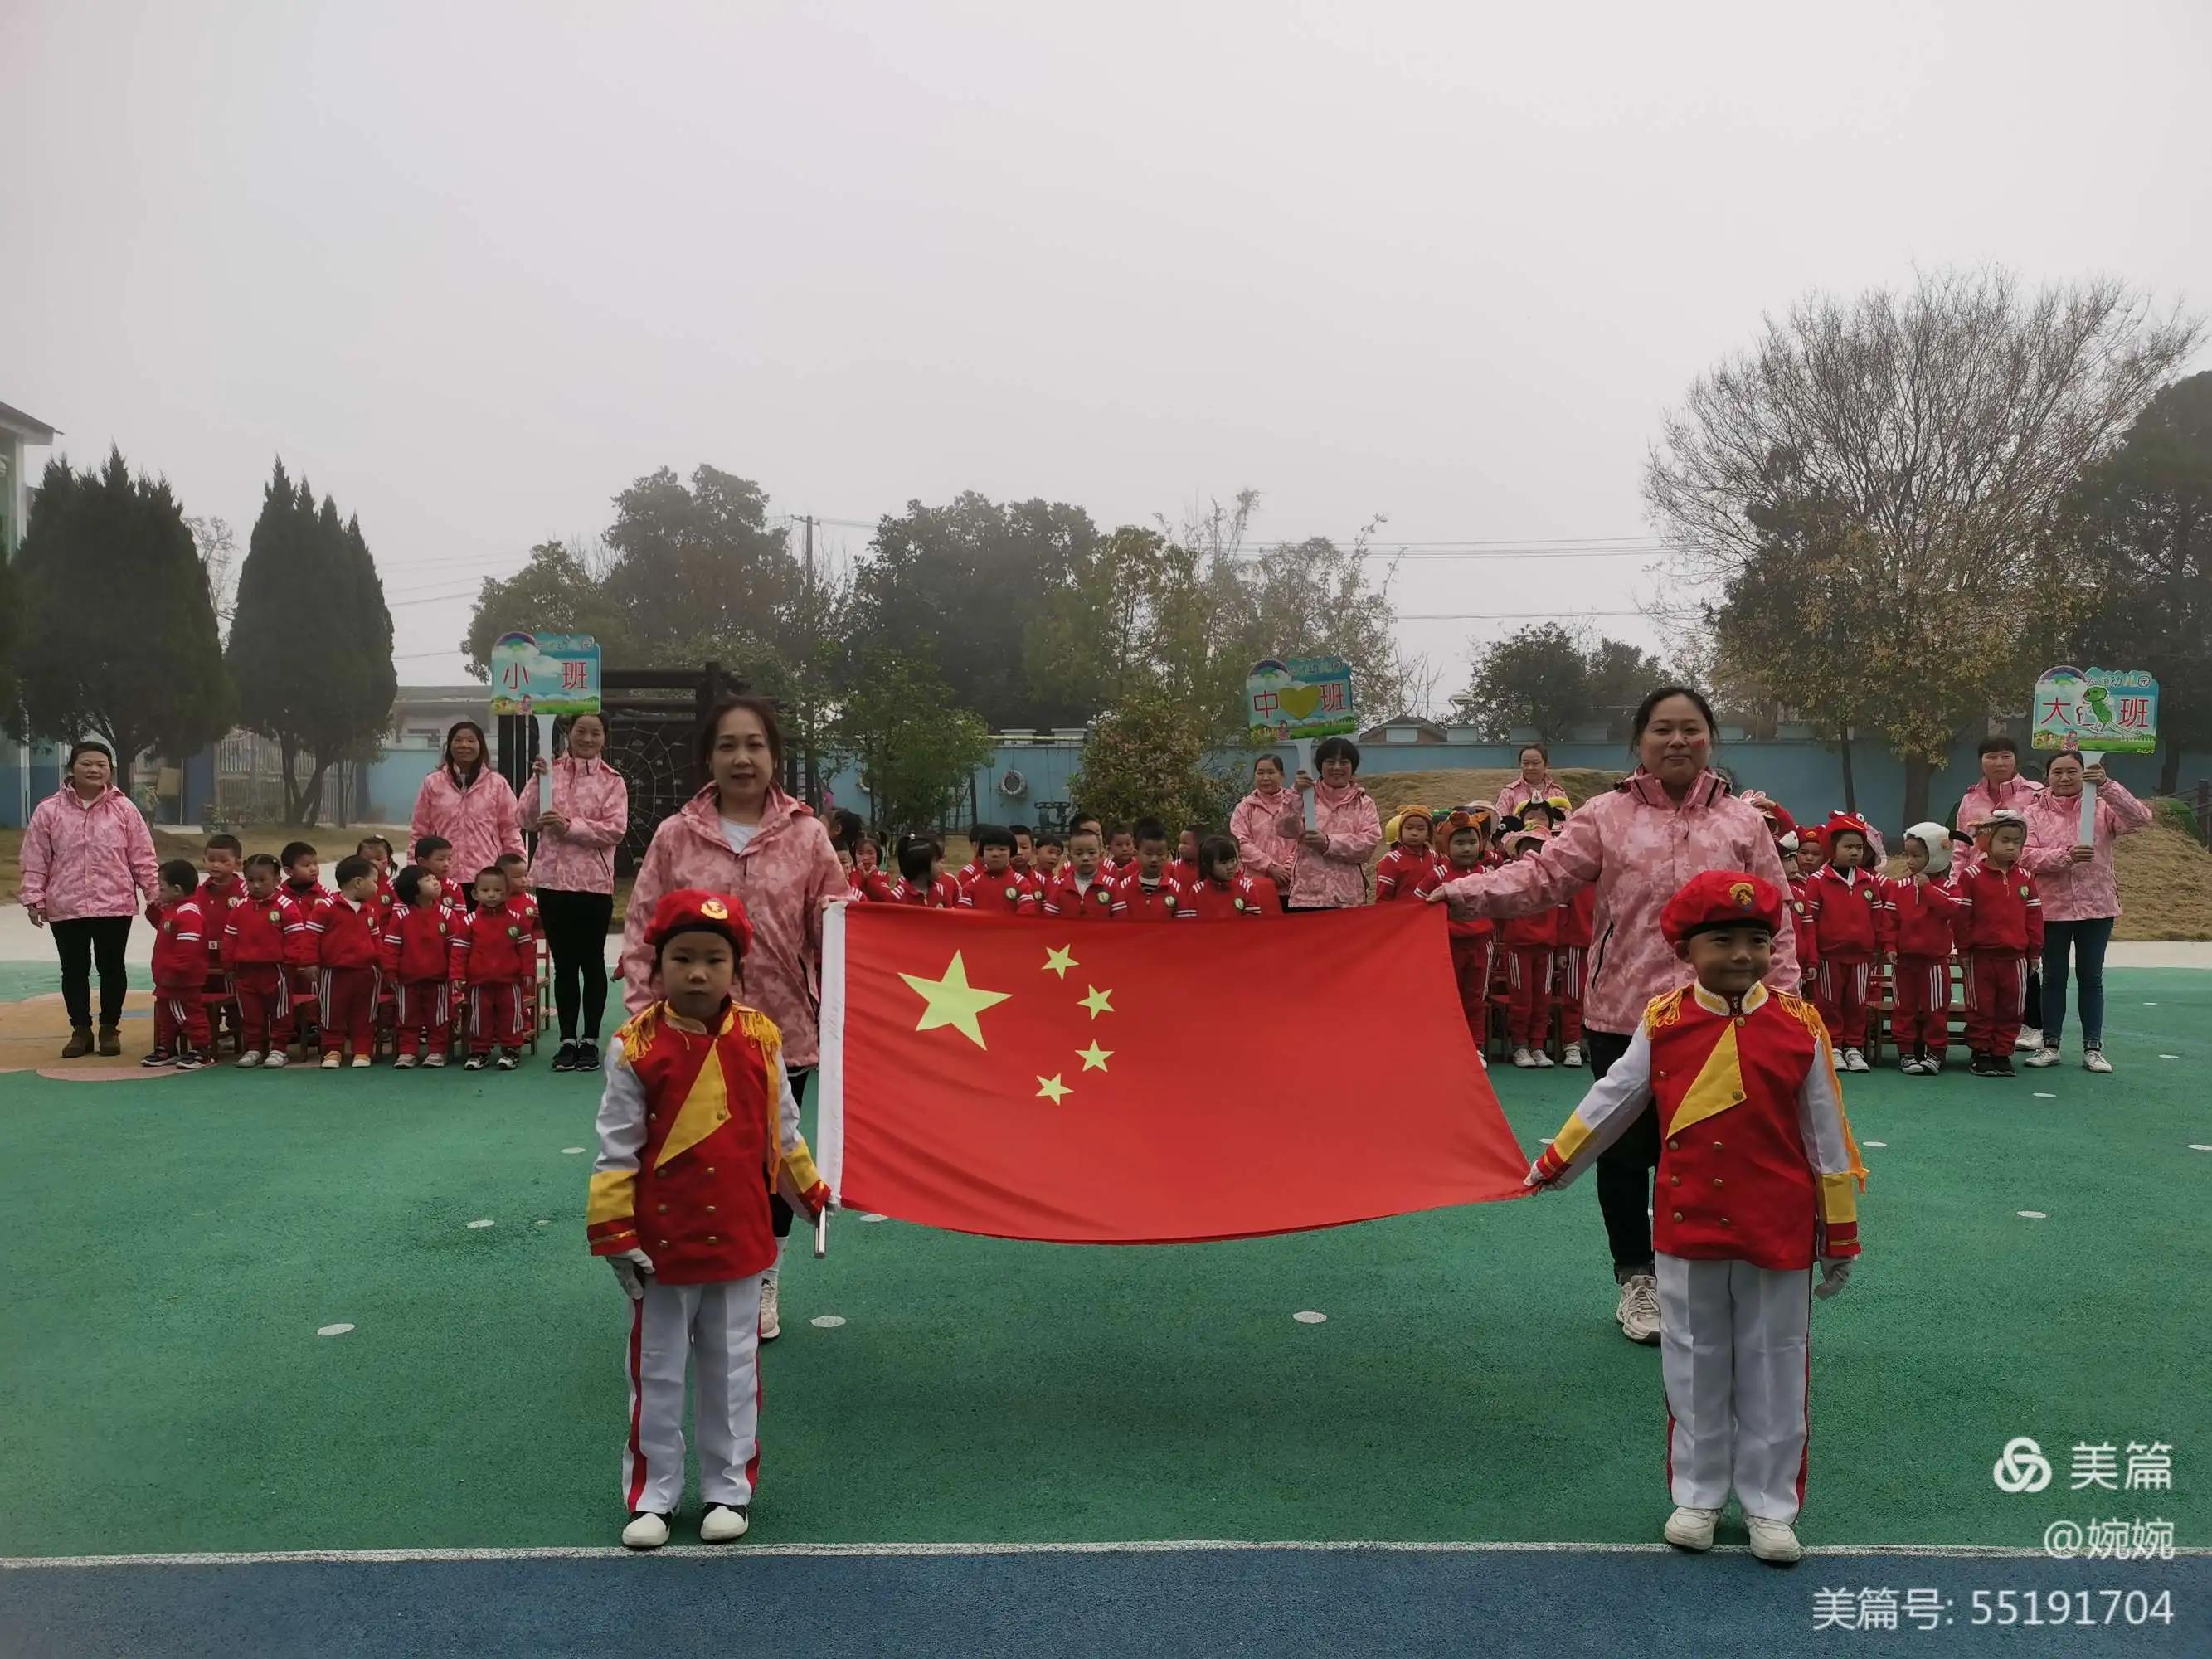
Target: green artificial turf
177	1242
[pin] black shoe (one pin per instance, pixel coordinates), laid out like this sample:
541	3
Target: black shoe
189	1061
1979	1066
565	1059
80	1042
2001	1065
587	1056
111	1040
507	1061
159	1057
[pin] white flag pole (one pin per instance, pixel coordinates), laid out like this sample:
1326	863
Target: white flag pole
829	1079
2087	836
1306	766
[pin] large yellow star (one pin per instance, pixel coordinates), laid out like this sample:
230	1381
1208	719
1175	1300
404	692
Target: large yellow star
952	1001
1094	1058
1096	1002
1060	960
1051	1088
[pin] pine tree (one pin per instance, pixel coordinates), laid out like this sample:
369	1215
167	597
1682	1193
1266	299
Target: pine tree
119	632
311	643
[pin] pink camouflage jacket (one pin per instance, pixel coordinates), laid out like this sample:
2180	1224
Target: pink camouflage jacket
1336	879
1256	824
480	820
1637	848
2071	891
785	873
82	862
595	798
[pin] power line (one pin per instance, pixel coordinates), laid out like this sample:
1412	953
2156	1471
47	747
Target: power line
1509	616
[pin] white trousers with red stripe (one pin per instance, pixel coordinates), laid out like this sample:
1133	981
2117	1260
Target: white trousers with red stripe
716	1328
1735	1347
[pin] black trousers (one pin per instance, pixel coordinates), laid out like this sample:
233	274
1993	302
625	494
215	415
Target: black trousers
779	1212
576	933
81	943
1624	1171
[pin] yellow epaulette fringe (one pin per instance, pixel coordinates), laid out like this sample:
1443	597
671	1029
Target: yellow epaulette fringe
1664	1011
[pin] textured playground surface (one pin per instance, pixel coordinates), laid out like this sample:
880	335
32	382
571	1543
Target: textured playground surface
258	1316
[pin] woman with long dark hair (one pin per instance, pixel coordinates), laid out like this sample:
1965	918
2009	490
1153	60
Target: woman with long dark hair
468	803
580	807
1638	844
88	865
741	834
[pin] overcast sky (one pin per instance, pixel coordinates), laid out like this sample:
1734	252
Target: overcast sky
472	268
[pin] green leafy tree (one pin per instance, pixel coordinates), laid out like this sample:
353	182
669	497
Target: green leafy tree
700	561
311	641
914	746
1148	756
1536	677
119	632
1618	675
2140	521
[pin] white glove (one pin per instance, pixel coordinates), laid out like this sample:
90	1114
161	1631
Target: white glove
1835	1273
632	1268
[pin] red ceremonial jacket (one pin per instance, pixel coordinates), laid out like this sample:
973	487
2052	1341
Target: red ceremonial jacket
496	946
263	932
1134	902
418	943
1065	899
695	1128
1229	901
1925	917
1401	871
1850	919
2001	911
179	943
1758	1164
345	933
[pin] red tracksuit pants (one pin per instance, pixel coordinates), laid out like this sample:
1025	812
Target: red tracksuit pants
1921	1013
1996	1001
1571	963
265	1006
1471	967
1529	995
1839	991
347	1005
180	1018
496	1015
425	1016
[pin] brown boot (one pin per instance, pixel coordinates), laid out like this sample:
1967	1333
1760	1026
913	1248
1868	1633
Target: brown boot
111	1040
80	1043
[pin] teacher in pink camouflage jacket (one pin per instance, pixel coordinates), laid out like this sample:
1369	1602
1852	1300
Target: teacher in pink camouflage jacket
580	807
1670	819
468	803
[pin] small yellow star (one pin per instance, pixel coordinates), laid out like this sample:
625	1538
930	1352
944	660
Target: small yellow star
1060	960
1051	1088
952	1001
1094	1058
1096	1003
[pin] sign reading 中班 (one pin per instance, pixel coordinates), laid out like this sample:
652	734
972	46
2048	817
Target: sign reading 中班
2099	711
545	674
1298	697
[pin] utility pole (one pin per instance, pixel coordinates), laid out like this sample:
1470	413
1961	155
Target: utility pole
806	669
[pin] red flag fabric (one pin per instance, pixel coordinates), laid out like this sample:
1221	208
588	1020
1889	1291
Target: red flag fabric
1025	1078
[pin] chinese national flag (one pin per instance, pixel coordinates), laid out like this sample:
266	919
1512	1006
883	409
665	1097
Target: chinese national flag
1133	1084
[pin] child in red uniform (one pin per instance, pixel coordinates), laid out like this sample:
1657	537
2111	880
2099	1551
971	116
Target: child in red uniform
348	947
1924	912
1223	892
180	967
494	954
920	872
1528	941
378	851
303	887
997	887
1756	1182
519	896
223	887
1122	851
1412	856
1183	868
1850	929
418	960
2000	932
678	1208
1800	856
1467	848
1147	892
1577	924
254	939
1051	859
1084	892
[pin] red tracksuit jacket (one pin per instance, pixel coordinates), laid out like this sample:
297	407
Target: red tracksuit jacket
263	932
1401	871
1477	927
300	950
1538	930
215	904
2000	910
1010	893
1850	916
1134	902
496	947
180	956
345	933
418	943
1801	926
1926	917
1578	920
1229	901
1093	903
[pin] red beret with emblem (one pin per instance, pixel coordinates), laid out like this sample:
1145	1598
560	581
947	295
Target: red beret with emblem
696	910
1721	898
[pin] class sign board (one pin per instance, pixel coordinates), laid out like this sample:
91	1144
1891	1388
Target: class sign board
546	675
1300	698
2099	711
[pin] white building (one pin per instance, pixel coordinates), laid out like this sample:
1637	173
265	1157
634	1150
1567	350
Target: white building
24	774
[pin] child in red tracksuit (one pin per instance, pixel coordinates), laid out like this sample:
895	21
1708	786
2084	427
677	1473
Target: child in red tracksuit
180	966
1925	914
1528	942
222	888
258	931
2000	932
1578	925
1850	923
1800	857
494	957
1413	857
1220	890
998	886
1147	892
1084	891
348	950
419	961
519	897
303	886
1467	847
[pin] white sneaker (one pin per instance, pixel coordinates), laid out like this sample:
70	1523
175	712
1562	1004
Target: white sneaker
435	1059
1638	1312
330	1062
1524	1059
1573	1056
360	1061
1542	1060
276	1060
248	1061
723	1523
2041	1058
1689	1529
1910	1065
1855	1062
646	1531
771	1319
1774	1540
2093	1060
403	1062
2029	1039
